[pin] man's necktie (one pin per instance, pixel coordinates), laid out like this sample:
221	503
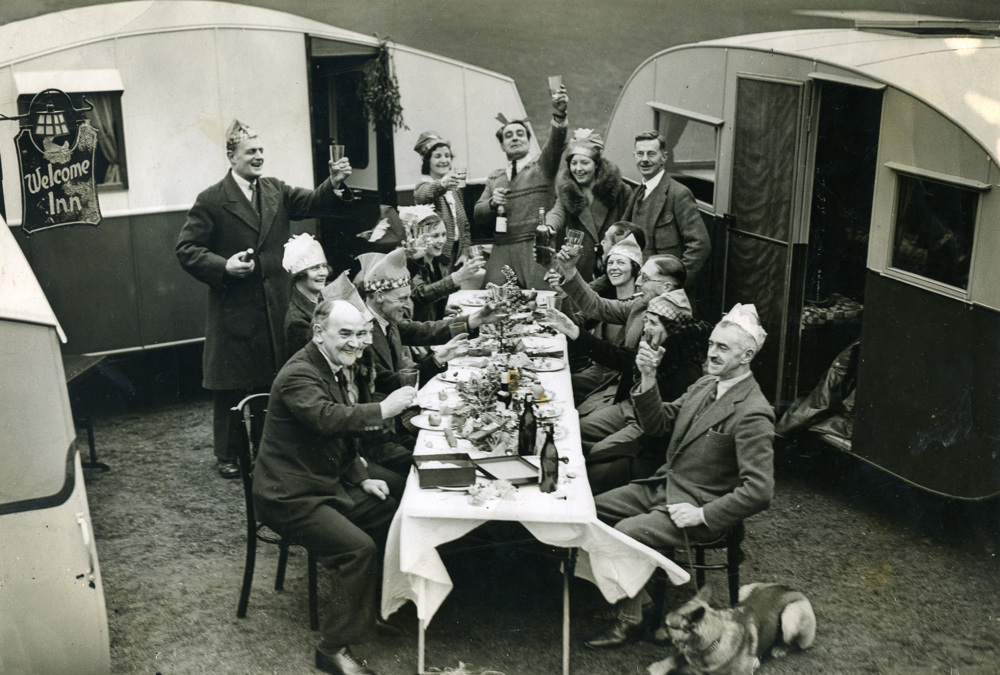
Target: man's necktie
707	402
392	336
513	169
253	197
640	193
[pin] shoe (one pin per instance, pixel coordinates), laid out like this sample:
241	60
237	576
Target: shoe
616	635
341	663
228	469
386	629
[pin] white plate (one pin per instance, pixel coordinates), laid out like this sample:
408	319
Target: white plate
545	411
549	397
473	302
546	365
455	376
421	421
453	489
469	362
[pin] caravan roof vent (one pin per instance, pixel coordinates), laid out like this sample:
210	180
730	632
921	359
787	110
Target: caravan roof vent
902	23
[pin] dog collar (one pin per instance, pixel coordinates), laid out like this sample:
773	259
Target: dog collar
710	649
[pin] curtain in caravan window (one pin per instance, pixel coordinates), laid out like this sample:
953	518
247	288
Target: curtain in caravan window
103	119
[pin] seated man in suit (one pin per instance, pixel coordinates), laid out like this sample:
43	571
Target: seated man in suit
387	295
719	466
312	487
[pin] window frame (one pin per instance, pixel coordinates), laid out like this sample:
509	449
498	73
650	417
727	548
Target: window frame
913	278
715	123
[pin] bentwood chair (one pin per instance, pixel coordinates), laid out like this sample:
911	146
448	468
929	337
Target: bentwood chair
248	425
732	542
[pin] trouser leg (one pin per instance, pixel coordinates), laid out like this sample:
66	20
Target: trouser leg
600	424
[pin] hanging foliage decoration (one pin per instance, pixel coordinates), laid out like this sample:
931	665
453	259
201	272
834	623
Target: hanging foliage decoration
379	90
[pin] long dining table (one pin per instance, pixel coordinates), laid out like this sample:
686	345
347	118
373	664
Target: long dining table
617	564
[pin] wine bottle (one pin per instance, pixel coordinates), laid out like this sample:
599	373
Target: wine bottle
527	427
550	462
501	219
543	240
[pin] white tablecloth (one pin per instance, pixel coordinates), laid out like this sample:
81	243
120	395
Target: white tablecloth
427	518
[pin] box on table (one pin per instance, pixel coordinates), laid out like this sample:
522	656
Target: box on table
461	472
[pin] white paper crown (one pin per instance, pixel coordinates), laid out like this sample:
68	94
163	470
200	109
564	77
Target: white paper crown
412	216
745	316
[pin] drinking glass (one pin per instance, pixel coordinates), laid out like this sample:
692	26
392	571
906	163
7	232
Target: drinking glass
460	171
574	238
336	153
409	377
458	328
476	251
555	82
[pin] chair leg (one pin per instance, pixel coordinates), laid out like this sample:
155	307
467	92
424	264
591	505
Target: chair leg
313	594
279	579
699	565
733	558
248	568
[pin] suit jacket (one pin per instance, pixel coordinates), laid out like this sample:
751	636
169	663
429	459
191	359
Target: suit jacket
723	460
413	333
673	225
309	447
244	331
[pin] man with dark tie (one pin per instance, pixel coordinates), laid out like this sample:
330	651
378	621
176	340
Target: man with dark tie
311	486
719	461
512	196
233	241
666	210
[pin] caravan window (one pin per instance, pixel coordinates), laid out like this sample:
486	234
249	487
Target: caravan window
691	148
934	229
110	167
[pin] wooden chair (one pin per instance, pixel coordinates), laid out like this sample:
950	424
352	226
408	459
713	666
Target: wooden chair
248	425
732	542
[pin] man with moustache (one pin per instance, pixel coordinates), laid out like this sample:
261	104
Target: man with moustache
311	485
233	241
719	462
666	210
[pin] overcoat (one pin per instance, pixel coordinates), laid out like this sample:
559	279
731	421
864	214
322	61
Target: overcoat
245	320
311	440
572	212
721	460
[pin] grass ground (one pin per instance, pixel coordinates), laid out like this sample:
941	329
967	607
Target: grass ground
901	582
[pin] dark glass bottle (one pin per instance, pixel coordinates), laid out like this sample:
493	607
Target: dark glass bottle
527	427
543	241
550	462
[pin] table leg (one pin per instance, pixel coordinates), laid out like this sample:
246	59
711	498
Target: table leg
420	646
568	566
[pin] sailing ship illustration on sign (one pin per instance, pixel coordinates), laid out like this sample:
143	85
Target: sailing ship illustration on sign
55	150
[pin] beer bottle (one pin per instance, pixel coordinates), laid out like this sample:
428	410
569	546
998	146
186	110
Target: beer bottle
550	462
501	219
543	240
527	428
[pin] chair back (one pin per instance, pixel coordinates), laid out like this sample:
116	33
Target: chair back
247	426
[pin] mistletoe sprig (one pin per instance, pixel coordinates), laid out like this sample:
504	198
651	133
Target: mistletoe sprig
379	90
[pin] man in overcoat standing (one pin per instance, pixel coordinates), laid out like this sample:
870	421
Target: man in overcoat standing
233	241
719	466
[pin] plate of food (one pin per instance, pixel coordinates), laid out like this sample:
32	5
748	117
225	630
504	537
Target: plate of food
548	410
546	364
473	301
456	375
431	421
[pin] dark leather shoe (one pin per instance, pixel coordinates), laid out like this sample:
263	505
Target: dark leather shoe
617	634
341	663
386	629
228	469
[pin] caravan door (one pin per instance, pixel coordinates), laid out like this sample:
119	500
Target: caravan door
764	253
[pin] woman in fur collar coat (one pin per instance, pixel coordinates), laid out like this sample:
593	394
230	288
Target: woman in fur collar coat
590	196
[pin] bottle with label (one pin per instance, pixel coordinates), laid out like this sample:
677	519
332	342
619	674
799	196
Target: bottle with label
550	462
543	241
501	219
527	427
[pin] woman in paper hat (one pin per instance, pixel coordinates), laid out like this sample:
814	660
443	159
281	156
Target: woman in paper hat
442	186
433	277
305	261
590	196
